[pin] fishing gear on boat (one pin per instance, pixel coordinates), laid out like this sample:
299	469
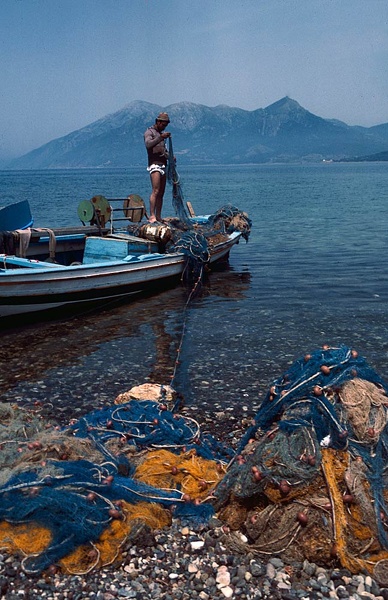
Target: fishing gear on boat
177	193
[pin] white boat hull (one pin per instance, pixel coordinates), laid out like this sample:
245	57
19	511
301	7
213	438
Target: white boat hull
32	289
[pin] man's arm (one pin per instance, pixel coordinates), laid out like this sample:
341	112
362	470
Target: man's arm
152	138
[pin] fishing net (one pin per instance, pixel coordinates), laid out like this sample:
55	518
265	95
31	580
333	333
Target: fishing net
177	193
195	238
72	495
308	480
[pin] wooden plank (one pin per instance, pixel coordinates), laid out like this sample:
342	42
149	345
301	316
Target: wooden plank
190	209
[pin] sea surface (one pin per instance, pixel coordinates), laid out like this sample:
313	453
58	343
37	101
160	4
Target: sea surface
314	272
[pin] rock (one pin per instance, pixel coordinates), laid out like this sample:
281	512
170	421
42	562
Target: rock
223	577
271	571
148	391
197	544
192	568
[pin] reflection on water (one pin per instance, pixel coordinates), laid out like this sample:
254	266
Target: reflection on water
85	361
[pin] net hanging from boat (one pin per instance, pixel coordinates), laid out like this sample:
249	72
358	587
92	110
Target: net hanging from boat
196	240
177	193
308	481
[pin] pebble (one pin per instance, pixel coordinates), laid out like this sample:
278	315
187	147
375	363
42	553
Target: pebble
144	572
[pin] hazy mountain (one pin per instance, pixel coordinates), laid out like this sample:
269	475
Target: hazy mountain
281	132
379	157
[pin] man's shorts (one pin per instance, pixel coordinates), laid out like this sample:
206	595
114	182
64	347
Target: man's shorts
157	169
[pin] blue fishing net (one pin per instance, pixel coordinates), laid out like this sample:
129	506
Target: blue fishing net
147	424
177	193
305	392
329	399
55	493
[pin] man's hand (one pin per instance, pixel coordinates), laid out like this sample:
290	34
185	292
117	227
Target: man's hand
165	134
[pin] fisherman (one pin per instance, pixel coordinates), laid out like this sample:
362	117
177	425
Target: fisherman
154	139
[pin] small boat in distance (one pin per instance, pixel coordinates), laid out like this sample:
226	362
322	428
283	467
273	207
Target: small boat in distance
44	268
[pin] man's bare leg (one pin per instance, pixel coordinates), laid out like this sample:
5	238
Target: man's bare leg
158	182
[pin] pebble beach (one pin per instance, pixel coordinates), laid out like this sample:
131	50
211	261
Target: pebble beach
181	564
184	562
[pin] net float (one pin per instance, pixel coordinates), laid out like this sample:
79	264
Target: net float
254	519
347	498
52	570
108	480
284	487
257	475
334	551
302	518
93	554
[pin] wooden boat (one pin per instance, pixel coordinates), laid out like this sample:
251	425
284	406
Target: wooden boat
98	261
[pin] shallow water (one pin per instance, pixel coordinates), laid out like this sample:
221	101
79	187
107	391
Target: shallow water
314	272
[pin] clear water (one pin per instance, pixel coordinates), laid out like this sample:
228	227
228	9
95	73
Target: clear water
314	272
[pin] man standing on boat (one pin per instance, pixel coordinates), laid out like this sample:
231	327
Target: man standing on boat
154	139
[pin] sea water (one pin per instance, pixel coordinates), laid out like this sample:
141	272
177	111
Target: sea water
313	272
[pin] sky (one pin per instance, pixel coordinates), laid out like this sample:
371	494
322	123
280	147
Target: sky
67	63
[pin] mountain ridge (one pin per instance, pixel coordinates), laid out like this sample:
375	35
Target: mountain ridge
284	131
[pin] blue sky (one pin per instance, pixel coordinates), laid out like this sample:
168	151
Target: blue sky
66	63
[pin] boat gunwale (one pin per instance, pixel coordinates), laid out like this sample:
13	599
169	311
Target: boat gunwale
127	265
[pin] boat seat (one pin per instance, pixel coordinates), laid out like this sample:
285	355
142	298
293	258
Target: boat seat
102	249
17	261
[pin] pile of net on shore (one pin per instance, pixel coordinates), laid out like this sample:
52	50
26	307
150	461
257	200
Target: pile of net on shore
308	481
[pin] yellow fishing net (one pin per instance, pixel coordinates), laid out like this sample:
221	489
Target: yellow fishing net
192	475
27	539
354	536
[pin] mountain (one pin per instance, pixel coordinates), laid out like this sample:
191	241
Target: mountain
379	157
281	132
